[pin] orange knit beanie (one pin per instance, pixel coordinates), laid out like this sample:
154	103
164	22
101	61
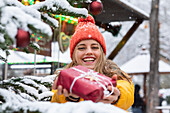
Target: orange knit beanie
86	29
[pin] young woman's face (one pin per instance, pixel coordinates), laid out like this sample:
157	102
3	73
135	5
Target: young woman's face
87	53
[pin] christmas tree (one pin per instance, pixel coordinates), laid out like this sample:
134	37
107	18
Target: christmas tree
29	93
18	21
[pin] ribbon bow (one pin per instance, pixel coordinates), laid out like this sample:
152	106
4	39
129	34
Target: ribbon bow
96	77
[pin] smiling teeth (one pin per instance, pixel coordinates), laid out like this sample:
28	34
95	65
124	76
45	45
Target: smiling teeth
88	59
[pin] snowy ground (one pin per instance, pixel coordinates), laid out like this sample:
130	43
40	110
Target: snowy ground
30	93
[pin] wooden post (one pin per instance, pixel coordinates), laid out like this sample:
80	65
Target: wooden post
52	68
145	91
4	71
154	84
144	87
35	53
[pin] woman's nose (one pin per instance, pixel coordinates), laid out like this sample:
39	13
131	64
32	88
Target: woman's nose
89	51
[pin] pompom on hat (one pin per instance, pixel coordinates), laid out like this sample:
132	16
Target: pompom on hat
86	29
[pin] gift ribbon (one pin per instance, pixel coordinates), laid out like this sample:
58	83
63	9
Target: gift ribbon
95	74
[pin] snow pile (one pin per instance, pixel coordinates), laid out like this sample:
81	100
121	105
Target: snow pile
25	94
18	104
30	87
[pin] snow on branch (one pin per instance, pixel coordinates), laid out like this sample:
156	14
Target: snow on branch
60	7
32	94
49	20
13	18
15	103
14	15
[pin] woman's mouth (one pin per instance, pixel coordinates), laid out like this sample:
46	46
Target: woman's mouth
88	60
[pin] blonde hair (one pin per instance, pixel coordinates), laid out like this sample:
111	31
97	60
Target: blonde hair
103	66
111	69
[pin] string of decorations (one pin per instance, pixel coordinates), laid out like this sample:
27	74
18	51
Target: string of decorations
28	62
68	19
29	2
38	38
61	64
32	36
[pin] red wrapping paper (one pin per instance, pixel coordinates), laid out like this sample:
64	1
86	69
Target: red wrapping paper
85	87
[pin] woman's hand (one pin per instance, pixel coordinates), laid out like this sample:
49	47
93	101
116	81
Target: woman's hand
69	96
55	84
61	90
64	91
114	97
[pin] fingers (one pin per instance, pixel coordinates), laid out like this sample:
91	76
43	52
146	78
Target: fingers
60	90
112	97
116	90
114	77
108	99
65	92
110	88
55	84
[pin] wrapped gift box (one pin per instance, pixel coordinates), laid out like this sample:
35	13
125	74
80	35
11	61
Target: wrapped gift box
85	83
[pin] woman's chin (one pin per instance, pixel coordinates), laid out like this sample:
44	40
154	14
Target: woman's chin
89	67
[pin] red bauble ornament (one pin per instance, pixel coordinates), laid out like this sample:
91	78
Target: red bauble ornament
96	7
23	38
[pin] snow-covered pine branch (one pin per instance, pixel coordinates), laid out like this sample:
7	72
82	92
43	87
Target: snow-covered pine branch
60	7
14	15
11	102
49	20
30	87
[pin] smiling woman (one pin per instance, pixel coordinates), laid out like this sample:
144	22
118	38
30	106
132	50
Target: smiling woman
87	53
88	49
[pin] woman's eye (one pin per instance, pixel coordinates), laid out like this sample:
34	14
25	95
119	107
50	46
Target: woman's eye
95	47
81	48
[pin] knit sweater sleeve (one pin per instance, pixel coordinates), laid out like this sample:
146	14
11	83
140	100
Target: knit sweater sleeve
60	98
127	94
